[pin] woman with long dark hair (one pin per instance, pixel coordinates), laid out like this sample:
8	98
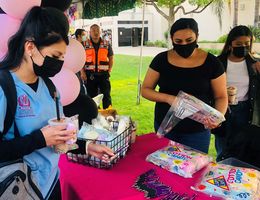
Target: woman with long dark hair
242	74
37	52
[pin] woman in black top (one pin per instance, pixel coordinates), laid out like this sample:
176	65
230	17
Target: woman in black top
192	70
243	73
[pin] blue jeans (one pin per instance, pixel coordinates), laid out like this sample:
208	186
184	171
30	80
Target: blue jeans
237	119
198	140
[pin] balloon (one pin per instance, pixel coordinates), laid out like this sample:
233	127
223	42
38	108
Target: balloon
67	84
75	56
59	4
18	8
9	26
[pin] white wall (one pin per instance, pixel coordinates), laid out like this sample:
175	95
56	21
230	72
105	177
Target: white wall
209	28
246	12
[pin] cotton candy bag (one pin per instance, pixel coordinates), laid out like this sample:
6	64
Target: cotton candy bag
179	159
188	106
230	182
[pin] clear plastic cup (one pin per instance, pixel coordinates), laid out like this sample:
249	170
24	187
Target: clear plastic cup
64	121
232	95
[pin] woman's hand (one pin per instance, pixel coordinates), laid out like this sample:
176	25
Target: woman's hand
55	135
100	151
171	99
83	75
209	124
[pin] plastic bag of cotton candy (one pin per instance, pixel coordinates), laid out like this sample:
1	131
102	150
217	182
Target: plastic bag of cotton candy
112	132
117	127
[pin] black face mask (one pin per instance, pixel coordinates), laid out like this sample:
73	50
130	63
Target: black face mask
186	50
240	52
50	67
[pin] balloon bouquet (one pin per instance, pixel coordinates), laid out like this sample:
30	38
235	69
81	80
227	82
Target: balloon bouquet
11	14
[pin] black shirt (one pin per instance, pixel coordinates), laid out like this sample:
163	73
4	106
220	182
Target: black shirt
195	81
34	85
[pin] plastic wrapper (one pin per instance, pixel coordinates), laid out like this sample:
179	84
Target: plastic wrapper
189	106
179	159
230	182
104	131
71	123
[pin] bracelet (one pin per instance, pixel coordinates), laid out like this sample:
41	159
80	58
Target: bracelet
87	144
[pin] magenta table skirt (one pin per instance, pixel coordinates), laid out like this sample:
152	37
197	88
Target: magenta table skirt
80	182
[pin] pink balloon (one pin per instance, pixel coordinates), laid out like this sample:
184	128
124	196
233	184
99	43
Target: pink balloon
18	8
9	26
75	56
68	85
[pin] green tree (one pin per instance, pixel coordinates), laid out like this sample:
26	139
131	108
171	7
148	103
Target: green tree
178	5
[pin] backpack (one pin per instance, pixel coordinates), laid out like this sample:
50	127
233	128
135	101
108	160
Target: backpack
16	180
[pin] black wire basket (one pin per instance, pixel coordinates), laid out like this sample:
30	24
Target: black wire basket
120	145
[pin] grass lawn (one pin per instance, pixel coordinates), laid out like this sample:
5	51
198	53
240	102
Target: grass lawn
124	78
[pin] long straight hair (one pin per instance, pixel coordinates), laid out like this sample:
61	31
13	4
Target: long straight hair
236	32
43	26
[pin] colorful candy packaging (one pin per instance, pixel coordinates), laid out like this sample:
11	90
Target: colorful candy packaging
179	159
230	182
188	106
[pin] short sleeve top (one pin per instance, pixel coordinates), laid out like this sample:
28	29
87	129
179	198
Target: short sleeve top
195	81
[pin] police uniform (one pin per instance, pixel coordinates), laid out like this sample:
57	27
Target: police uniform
97	70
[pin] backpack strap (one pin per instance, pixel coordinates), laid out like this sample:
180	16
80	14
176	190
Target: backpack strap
51	87
8	86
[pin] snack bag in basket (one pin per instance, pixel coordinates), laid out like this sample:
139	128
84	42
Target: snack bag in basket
179	159
230	182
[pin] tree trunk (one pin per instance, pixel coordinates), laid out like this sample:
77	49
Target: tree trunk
256	18
170	23
235	20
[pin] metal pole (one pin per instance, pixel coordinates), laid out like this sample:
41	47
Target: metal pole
141	60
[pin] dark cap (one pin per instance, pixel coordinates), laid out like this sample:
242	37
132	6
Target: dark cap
184	23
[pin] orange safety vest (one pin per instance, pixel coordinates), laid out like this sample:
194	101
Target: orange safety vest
102	57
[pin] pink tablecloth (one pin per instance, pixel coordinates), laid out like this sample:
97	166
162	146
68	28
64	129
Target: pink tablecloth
80	182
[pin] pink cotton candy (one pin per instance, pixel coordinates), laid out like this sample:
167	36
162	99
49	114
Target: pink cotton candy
72	127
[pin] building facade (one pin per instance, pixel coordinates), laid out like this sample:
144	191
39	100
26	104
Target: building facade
125	29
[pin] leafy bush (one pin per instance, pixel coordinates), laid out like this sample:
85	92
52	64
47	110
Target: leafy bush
256	32
149	44
215	52
157	43
207	41
222	39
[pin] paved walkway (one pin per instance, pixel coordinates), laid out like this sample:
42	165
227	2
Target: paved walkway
135	51
152	51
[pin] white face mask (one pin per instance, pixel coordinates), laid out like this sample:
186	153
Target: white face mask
84	38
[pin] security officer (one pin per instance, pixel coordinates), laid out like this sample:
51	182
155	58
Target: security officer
99	61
